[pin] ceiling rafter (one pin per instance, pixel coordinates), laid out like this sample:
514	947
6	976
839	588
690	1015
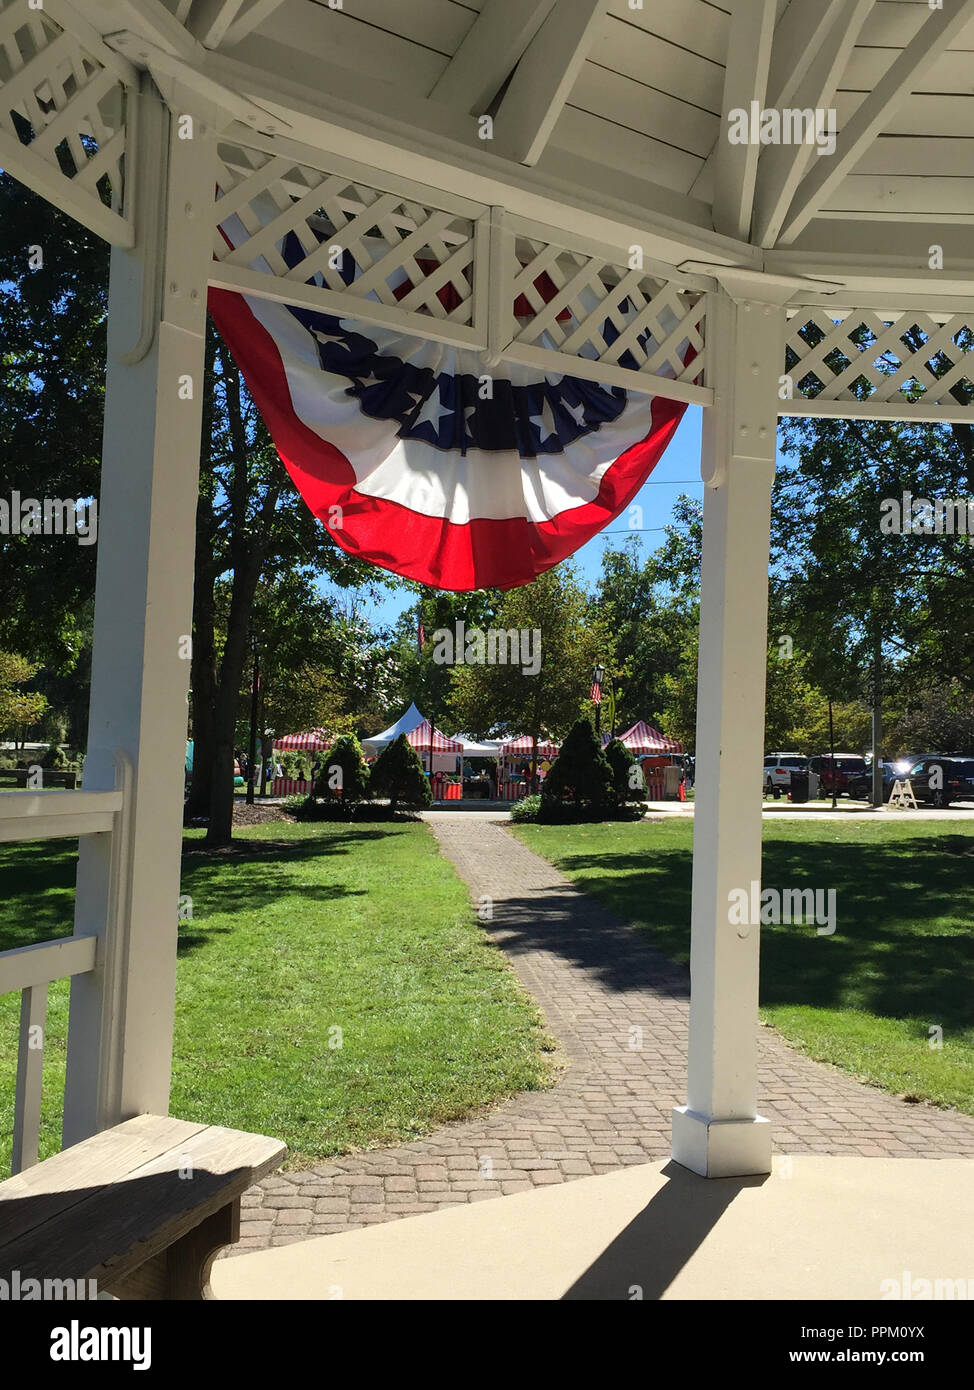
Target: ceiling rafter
209	20
938	30
489	53
250	19
782	167
745	80
544	78
798	36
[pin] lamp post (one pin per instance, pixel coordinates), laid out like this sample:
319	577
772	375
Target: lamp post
598	676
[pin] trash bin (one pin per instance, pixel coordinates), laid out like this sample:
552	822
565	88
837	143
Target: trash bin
799	786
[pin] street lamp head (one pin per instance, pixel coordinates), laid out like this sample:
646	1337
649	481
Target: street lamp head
598	674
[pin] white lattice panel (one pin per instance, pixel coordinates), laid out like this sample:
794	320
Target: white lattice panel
578	311
62	119
911	367
332	240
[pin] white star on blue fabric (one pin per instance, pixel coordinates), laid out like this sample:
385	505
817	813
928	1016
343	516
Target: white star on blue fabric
432	412
544	422
577	412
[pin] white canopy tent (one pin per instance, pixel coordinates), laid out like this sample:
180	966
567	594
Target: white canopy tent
403	725
608	166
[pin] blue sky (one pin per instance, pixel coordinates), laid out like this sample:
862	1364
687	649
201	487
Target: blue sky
677	471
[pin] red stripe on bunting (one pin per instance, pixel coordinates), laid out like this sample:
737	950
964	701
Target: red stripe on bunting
481	553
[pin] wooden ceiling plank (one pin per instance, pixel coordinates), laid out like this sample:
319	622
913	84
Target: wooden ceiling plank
745	80
544	78
485	59
782	167
935	35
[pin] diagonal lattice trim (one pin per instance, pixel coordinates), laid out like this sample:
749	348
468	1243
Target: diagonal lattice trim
377	254
360	244
62	119
573	306
912	363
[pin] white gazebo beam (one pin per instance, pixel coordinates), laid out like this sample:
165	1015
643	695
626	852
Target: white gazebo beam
719	1133
121	1022
939	29
488	53
781	167
745	80
209	20
245	23
544	78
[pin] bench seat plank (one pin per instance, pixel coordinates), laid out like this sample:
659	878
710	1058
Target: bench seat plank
48	1189
112	1225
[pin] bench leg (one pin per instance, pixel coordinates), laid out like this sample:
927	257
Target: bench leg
190	1260
183	1271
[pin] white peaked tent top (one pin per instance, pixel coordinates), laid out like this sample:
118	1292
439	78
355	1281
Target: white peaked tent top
412	719
403	725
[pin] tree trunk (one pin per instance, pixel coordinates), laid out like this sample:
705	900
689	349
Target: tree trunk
203	660
877	789
248	543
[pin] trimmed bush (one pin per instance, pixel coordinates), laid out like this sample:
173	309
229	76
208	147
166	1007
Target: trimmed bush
627	775
528	809
343	776
581	774
398	774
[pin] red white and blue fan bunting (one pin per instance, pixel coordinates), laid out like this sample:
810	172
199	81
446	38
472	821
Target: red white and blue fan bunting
389	443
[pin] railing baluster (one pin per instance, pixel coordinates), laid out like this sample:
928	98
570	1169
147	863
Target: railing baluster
30	1076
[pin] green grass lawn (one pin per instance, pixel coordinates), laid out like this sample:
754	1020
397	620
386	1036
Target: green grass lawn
305	930
900	962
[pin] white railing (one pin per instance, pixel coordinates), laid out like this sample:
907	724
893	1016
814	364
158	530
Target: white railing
47	815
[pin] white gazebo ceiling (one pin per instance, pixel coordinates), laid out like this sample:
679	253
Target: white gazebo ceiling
631	104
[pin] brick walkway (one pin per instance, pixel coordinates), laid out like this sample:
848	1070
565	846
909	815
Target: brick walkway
595	981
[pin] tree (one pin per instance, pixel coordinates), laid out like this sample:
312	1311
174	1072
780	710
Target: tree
420	678
343	774
53	301
398	775
18	709
856	597
581	774
249	523
545	687
627	777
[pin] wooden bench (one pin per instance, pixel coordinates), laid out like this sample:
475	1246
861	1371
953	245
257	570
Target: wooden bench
143	1208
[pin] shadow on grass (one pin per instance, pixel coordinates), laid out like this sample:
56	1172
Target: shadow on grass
37	881
902	948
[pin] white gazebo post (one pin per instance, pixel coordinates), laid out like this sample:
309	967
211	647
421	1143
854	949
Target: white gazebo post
120	1041
719	1133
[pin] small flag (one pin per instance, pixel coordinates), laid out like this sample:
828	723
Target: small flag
421	635
596	694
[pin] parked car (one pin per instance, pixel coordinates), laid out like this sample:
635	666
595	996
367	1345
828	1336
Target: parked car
839	769
938	781
861	788
778	768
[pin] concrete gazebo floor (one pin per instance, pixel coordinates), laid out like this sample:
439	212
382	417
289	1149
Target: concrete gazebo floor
817	1228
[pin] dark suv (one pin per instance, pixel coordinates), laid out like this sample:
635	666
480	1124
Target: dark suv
845	769
939	781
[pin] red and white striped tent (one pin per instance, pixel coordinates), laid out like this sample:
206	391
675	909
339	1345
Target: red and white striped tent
522	745
314	742
643	739
442	743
